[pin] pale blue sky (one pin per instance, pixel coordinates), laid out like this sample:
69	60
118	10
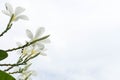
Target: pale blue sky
85	37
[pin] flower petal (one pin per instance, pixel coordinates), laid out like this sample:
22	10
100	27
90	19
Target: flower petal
24	17
19	44
19	10
43	54
29	34
40	45
9	7
6	13
39	32
45	40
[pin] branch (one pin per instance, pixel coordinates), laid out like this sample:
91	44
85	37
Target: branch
27	44
13	65
6	64
8	26
20	63
14	72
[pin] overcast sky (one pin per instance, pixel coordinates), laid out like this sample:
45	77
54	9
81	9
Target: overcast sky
85	37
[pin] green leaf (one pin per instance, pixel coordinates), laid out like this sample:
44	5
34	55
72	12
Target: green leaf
3	54
5	76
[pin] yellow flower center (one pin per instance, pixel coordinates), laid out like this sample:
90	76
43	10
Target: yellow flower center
24	51
13	18
33	51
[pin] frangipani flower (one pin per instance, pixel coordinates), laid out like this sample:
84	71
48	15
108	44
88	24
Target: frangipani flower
15	13
36	49
31	50
37	35
25	74
25	51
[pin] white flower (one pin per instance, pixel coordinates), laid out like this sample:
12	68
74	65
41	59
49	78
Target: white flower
25	51
16	14
37	35
31	50
25	74
37	49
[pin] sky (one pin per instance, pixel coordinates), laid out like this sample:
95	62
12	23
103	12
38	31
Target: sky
85	38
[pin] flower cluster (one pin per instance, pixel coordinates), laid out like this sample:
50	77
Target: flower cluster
32	51
25	73
32	48
36	48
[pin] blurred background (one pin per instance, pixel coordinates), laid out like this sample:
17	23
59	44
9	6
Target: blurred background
85	37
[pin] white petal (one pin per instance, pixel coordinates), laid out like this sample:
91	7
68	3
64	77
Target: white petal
26	67
34	73
16	68
6	12
40	45
45	49
45	41
29	34
19	44
43	54
27	50
9	7
39	32
19	10
24	17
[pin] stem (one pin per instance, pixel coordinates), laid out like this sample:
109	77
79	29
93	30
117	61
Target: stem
20	63
9	68
8	26
27	44
6	64
14	72
13	65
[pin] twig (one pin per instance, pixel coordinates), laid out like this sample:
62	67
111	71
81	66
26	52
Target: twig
14	72
6	64
27	44
26	59
13	65
9	68
8	26
21	63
